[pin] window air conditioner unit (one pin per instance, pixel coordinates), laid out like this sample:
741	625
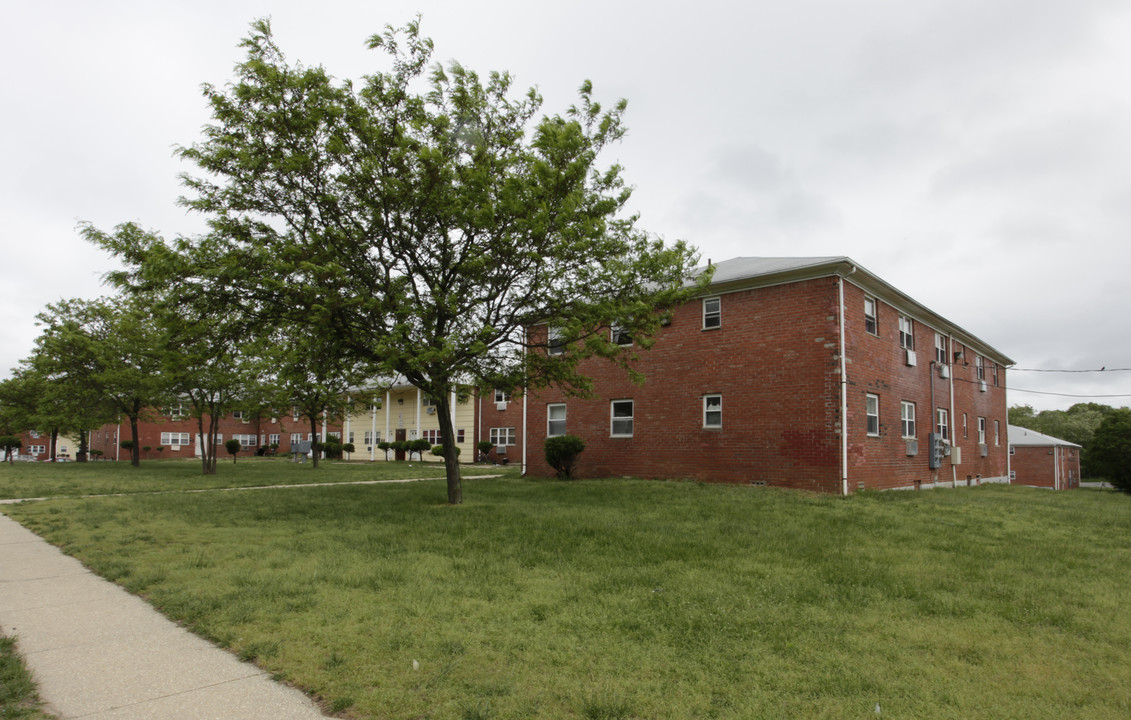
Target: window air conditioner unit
910	357
430	410
982	385
944	371
500	406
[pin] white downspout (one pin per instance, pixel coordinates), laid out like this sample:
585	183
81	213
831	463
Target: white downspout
1055	467
843	394
525	396
388	401
419	406
373	432
348	427
118	441
953	414
455	435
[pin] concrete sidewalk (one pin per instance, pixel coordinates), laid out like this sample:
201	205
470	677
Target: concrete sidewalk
98	652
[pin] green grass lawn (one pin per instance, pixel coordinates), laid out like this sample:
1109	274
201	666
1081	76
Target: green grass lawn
24	480
624	599
18	697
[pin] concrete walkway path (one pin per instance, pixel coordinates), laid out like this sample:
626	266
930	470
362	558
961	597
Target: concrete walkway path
98	652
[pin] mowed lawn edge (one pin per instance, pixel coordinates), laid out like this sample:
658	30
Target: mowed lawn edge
640	599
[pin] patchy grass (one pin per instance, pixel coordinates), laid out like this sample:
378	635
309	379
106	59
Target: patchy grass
33	480
625	599
18	697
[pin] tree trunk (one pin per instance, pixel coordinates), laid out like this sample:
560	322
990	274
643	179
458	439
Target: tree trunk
81	455
315	438
448	440
135	450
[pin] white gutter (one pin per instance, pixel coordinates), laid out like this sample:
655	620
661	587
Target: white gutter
843	393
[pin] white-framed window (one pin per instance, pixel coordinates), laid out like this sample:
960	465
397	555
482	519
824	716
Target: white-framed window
296	438
620	336
427	400
502	436
942	419
36	449
176	411
432	436
712	313
872	413
350	441
906	332
555	344
981	431
907	418
246	440
980	367
237	414
941	355
174	439
964	433
1012	450
713	411
294	413
273	439
34	435
219	439
993	368
372	437
555	419
871	317
501	396
997	432
621	412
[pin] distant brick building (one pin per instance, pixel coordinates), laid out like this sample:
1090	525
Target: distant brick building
809	373
1041	460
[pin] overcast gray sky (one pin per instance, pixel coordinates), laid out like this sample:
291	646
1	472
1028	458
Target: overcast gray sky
973	153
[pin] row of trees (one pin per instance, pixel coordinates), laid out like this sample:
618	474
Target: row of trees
418	224
1103	432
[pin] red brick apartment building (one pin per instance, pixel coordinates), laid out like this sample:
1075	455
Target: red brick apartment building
808	373
173	430
1041	460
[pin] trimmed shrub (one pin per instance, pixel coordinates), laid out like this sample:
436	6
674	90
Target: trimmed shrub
562	452
419	446
233	447
438	450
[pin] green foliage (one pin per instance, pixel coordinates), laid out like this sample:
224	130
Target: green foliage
1110	449
418	446
19	699
1077	424
10	444
348	448
417	223
485	446
561	453
438	450
333	450
127	444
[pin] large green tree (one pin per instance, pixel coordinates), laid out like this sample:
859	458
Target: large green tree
110	349
428	217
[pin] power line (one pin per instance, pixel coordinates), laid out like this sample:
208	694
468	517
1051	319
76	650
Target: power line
1098	370
1042	392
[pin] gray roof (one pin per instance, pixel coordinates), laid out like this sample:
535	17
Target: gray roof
1022	437
745	272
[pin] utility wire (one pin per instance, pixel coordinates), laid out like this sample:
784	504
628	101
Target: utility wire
1042	392
1103	369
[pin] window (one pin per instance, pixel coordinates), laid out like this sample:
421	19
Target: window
294	413
555	419
459	435
174	439
906	333
712	411
871	320
621	418
427	400
941	355
907	415
994	369
502	437
621	336
237	414
964	433
980	367
942	419
36	449
981	431
555	345
176	412
273	439
245	440
296	438
712	313
34	434
350	441
872	411
997	432
501	396
432	436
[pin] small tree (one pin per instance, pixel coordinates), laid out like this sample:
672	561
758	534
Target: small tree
96	453
1110	449
233	448
484	448
419	446
562	452
384	446
348	448
438	450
